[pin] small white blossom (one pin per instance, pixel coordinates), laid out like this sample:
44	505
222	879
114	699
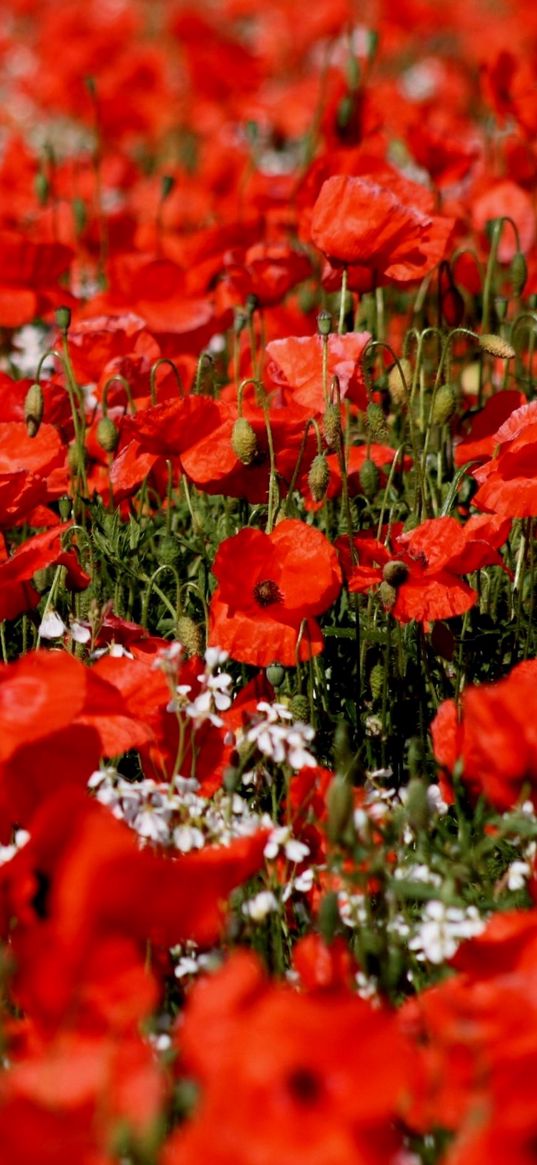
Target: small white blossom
443	928
259	907
51	626
517	875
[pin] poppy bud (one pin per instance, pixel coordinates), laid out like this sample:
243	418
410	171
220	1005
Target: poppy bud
340	805
496	346
376	680
33	409
239	321
387	595
275	674
500	306
395	572
299	708
444	405
376	422
328	919
518	273
398	387
416	804
63	318
332	426
244	441
369	478
65	507
107	435
324	323
42	188
189	635
318	477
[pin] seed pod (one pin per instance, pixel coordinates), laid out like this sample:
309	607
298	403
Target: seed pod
387	595
518	273
332	426
189	635
244	441
376	422
318	477
376	680
496	346
445	403
107	434
398	388
369	478
65	507
299	708
395	572
340	805
33	409
324	323
275	674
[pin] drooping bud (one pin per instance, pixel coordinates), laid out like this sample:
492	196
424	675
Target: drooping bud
518	272
376	680
398	387
318	477
299	708
387	595
369	478
496	346
445	403
324	323
189	635
107	434
33	409
376	422
395	572
244	441
332	426
340	805
275	674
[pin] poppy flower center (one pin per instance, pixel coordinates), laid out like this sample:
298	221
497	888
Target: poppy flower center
40	898
267	592
304	1085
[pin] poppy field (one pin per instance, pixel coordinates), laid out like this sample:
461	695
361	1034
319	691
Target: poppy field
268	561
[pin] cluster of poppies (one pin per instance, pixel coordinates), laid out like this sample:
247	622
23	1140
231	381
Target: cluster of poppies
268	632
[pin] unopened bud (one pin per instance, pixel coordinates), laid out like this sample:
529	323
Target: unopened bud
33	409
496	346
387	595
299	707
244	441
324	323
332	426
107	435
376	680
65	507
445	403
399	381
340	805
376	422
369	478
189	635
318	477
63	318
518	273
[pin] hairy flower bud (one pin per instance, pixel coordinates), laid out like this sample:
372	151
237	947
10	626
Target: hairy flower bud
387	595
107	435
496	346
369	478
189	635
318	477
399	387
518	272
376	680
445	403
244	441
299	708
376	422
332	426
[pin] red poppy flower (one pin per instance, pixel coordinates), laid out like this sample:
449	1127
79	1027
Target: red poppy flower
358	222
29	281
297	367
17	594
508	482
494	739
267	585
479	441
298	1097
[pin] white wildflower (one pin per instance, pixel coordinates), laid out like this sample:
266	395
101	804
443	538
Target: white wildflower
259	907
444	927
51	626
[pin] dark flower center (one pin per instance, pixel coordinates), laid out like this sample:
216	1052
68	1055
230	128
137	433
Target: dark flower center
267	592
304	1085
41	896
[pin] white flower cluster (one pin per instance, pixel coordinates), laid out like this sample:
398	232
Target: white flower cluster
442	929
280	738
214	696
